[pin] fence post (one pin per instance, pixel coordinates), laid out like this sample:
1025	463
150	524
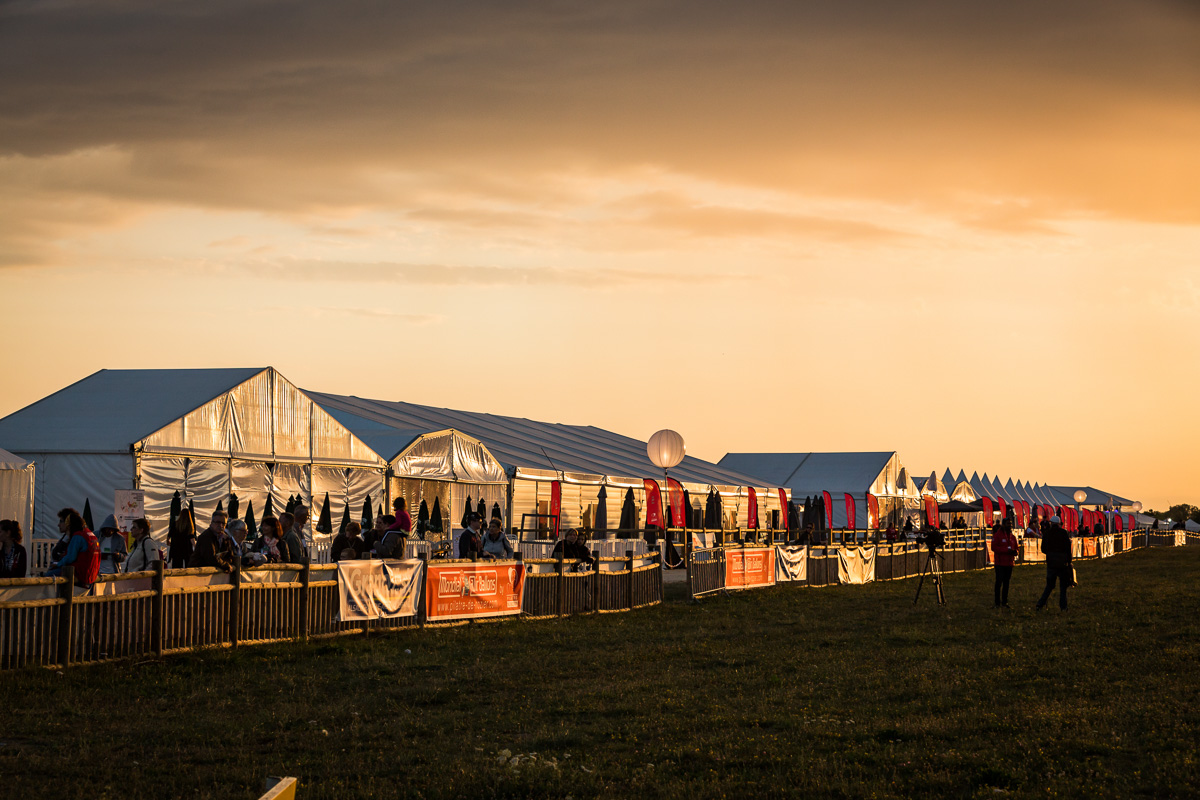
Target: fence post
304	579
659	558
422	602
66	591
561	585
235	599
156	609
629	564
596	583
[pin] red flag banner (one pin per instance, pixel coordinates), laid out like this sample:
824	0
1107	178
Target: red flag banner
675	491
1132	523
1118	526
555	504
872	512
783	504
1003	508
987	511
653	504
752	510
851	516
931	510
828	498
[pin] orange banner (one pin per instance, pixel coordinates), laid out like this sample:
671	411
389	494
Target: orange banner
464	591
752	566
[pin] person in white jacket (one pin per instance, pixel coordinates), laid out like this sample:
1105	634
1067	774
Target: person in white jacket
144	551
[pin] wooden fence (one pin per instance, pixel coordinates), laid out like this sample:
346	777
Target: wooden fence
554	587
49	621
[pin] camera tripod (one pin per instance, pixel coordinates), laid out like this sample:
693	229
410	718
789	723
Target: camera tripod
933	568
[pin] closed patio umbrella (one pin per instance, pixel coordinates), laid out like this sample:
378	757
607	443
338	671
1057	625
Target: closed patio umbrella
422	519
687	510
87	514
435	516
268	510
367	521
325	521
345	519
220	507
251	526
629	516
600	524
496	512
467	511
233	506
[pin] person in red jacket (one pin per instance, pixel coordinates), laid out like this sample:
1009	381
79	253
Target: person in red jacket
1004	549
83	551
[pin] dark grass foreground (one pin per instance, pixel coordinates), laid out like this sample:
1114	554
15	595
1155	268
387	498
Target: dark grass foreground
844	692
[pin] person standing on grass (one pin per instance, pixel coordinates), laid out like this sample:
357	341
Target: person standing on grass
1004	552
1056	545
14	561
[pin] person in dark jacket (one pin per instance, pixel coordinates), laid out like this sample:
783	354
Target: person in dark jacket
1056	544
470	541
14	561
181	540
347	545
1004	552
214	548
571	550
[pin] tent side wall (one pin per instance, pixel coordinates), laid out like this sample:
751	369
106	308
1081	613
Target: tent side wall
16	497
69	480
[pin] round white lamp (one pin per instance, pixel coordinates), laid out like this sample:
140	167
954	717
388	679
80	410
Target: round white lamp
1137	507
1080	495
665	449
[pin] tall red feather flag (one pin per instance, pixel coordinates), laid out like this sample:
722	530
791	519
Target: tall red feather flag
850	511
987	511
555	504
828	498
931	510
1003	507
783	504
675	491
752	511
872	512
1132	523
653	503
1118	526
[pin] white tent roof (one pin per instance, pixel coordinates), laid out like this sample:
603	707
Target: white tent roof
1095	497
807	474
252	413
518	444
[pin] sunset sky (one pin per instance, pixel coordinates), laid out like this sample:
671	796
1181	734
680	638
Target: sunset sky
967	232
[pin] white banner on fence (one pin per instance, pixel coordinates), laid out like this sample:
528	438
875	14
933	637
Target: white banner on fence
374	589
1105	546
791	564
856	564
1180	538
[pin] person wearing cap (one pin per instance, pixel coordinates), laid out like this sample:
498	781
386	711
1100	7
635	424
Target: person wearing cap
469	541
112	546
1056	545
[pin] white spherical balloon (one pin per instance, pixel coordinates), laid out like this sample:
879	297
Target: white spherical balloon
665	449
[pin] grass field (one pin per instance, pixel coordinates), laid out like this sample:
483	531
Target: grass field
835	692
